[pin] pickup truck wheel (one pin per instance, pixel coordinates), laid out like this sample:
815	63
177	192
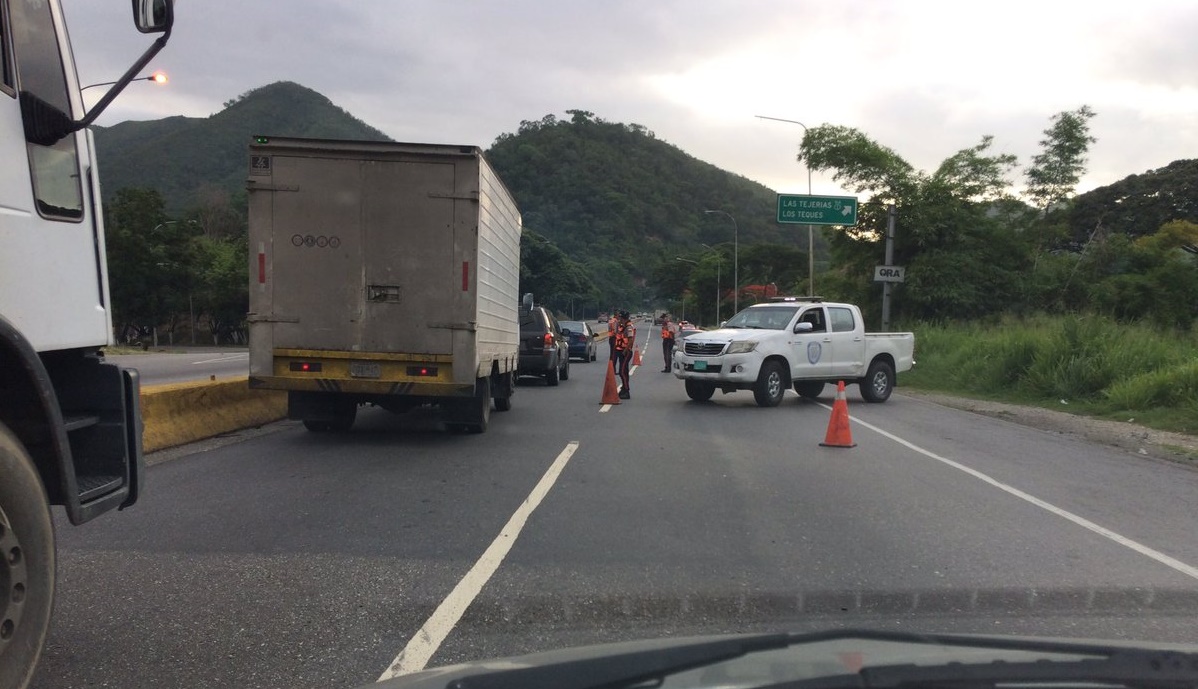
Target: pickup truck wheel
878	382
26	565
808	389
771	385
551	376
699	391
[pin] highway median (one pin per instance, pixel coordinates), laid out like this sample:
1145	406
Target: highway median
181	413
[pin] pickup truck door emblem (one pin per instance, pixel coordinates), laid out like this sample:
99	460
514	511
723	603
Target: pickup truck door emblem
814	350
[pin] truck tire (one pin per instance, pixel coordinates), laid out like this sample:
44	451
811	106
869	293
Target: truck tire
699	391
27	565
552	375
809	388
342	421
878	382
566	370
505	403
771	385
594	355
471	415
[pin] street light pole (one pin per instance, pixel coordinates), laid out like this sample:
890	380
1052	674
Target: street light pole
810	228
735	259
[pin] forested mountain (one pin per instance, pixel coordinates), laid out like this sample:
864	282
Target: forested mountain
181	156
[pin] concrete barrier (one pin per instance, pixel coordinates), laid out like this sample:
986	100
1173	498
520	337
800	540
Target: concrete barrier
185	412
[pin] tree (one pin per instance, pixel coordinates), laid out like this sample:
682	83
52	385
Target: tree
148	261
961	260
1054	171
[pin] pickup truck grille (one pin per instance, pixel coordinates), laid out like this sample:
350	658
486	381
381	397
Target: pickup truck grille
704	348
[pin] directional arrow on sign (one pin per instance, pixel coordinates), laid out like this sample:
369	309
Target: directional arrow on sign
846	210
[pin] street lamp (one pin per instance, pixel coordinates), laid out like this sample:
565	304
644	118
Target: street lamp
718	262
810	228
156	77
735	259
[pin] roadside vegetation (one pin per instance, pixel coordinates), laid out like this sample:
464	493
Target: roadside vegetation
1091	365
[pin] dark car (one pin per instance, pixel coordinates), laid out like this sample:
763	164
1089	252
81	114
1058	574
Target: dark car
544	350
581	338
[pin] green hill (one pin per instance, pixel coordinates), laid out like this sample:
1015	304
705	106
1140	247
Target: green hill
179	156
593	186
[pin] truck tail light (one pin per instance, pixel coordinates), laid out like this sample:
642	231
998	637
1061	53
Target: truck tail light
305	366
425	371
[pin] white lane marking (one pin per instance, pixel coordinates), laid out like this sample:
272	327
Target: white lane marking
605	408
227	357
425	642
1140	548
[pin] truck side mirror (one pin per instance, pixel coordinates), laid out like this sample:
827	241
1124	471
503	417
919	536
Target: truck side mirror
153	16
803	327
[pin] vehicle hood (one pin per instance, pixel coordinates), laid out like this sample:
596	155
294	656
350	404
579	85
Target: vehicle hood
724	335
753	657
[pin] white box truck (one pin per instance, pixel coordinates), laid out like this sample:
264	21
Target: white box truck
382	273
70	422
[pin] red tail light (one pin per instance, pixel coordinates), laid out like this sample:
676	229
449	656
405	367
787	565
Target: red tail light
548	339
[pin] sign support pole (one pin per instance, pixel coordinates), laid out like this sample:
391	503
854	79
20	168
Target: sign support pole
891	216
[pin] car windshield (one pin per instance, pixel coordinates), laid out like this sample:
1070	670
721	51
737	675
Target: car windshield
284	402
765	317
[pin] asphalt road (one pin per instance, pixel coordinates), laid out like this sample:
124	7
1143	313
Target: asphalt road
287	558
181	365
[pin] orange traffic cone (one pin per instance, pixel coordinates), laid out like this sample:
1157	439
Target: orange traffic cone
610	394
636	357
839	434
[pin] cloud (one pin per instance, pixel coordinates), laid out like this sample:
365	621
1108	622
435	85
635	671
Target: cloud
925	77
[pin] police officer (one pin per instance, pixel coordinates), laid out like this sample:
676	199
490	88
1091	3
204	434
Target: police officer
625	338
668	332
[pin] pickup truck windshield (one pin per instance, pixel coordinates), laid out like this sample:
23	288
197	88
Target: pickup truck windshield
764	317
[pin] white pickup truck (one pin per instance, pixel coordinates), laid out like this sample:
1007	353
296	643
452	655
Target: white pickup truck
799	342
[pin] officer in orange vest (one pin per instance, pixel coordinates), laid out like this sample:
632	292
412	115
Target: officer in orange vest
625	338
668	332
611	335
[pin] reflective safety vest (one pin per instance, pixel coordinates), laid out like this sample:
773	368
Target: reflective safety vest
667	331
625	336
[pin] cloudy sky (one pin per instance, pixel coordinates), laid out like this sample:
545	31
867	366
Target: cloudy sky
926	78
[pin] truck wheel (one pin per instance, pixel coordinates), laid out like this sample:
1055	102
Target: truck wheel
699	391
808	389
481	406
317	426
26	563
345	418
771	385
551	376
566	370
505	403
594	355
878	382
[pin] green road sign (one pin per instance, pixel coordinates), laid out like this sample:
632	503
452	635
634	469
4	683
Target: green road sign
800	209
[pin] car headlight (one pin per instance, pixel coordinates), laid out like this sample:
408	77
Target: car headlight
741	347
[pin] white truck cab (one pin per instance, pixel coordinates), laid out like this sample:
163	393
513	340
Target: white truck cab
70	424
796	342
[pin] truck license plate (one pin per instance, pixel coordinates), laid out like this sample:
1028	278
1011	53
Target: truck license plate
700	365
364	370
